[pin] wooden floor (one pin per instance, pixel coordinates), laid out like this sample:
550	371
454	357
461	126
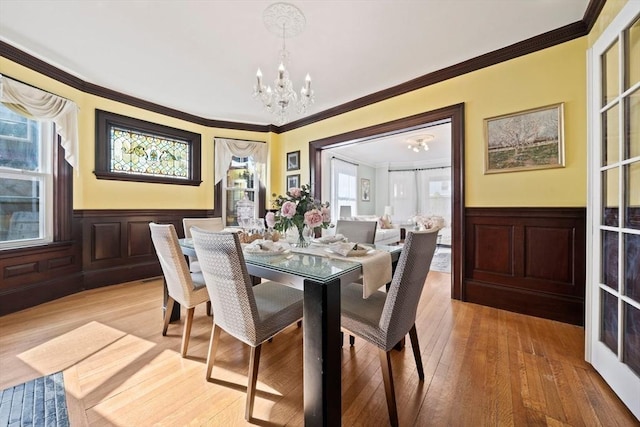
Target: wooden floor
483	367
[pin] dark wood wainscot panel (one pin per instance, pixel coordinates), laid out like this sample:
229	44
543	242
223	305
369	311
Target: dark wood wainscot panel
117	243
527	260
31	276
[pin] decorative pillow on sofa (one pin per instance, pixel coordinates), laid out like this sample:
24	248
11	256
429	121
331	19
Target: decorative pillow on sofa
384	223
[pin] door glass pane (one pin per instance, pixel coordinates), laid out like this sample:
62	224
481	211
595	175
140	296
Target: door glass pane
609	320
610	202
610	136
632	266
631	338
632	59
610	66
632	195
632	125
610	259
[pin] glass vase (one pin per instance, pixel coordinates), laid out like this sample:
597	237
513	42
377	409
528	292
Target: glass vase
304	237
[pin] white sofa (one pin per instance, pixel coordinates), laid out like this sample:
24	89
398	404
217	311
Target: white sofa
384	236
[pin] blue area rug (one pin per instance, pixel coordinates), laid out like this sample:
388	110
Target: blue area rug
39	402
441	260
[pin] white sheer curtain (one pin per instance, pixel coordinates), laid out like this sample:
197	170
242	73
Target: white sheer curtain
343	187
37	104
403	195
434	188
227	148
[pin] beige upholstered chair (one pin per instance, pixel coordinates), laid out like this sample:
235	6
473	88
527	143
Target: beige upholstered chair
252	314
357	231
188	289
384	319
209	224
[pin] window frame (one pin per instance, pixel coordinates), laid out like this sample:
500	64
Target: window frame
45	175
105	120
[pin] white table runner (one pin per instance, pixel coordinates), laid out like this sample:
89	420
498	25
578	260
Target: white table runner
376	266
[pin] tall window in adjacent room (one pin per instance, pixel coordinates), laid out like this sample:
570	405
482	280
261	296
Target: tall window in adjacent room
344	190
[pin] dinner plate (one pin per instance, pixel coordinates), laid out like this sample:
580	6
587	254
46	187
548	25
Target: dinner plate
352	253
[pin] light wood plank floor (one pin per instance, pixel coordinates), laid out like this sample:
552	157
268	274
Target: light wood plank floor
483	367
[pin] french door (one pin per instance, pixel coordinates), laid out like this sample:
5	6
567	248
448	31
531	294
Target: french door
613	252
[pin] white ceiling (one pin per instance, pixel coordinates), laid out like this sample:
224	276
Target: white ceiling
391	151
201	56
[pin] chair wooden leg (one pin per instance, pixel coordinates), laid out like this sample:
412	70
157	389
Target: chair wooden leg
209	312
352	340
213	346
167	315
416	351
186	333
387	376
254	362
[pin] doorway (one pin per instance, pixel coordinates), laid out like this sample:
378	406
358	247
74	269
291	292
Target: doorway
455	115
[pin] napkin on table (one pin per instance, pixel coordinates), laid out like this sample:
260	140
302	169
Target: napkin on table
263	246
331	239
349	249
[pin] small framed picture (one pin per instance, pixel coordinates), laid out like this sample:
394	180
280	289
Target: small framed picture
293	161
365	190
293	181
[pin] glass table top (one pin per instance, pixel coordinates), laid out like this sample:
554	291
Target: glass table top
308	266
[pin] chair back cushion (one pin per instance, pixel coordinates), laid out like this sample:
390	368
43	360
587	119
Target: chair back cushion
225	274
174	266
399	313
357	231
209	224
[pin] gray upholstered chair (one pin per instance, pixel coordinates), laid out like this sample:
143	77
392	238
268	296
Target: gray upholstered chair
384	319
187	288
252	314
209	224
357	231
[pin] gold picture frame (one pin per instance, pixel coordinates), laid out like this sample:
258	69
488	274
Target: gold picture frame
526	140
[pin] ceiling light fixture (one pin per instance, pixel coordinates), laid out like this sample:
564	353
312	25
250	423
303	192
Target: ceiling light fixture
419	142
286	20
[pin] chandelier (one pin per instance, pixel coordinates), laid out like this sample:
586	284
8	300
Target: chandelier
288	21
419	142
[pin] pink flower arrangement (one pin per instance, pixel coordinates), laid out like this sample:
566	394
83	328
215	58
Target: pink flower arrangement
298	208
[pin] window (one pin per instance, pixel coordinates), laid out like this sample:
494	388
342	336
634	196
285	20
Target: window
240	186
129	149
26	173
344	189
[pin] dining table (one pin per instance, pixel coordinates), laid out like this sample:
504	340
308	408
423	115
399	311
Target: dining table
318	272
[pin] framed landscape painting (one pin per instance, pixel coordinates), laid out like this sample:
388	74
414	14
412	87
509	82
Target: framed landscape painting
526	140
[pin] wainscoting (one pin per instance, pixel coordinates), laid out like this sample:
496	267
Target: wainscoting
108	247
527	260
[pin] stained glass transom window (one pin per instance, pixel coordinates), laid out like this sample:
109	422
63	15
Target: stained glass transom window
129	149
146	154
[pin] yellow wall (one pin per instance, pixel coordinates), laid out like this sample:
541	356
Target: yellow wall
92	193
609	11
554	75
